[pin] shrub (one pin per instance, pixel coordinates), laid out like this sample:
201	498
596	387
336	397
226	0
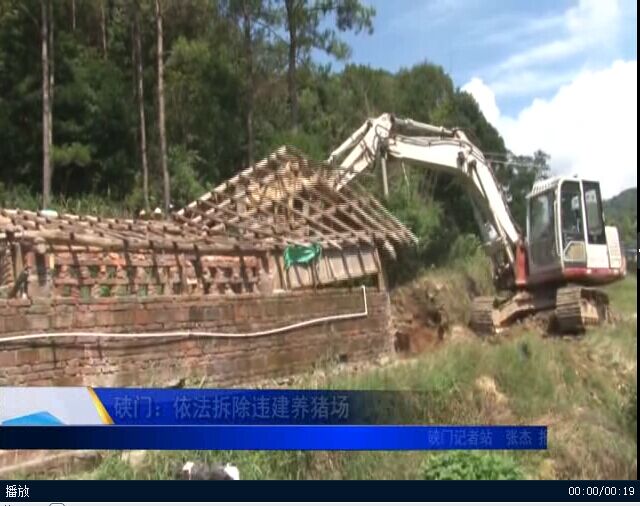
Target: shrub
465	246
185	185
466	465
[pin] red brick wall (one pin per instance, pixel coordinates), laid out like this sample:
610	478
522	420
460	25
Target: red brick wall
123	361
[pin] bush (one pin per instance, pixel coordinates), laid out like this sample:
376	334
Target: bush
185	185
463	465
465	246
18	196
308	144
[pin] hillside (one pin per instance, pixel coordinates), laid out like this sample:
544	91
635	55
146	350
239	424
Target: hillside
622	211
624	203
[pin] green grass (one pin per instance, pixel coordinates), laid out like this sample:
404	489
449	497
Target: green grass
20	197
623	295
583	389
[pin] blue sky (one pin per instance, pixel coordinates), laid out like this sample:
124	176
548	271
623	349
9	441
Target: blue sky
471	38
530	64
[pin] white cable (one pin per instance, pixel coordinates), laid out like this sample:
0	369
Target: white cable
190	333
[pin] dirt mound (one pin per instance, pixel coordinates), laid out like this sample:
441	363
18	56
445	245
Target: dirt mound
419	319
430	309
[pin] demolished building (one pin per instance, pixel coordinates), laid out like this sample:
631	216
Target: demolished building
257	278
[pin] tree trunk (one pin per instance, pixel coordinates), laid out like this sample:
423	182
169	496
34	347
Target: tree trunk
73	15
52	74
290	6
103	26
140	98
46	107
161	125
248	41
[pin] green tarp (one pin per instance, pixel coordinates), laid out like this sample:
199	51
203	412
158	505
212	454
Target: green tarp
301	255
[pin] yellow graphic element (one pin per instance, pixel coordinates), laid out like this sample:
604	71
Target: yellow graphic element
102	411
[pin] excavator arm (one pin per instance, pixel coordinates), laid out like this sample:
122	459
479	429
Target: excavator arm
442	150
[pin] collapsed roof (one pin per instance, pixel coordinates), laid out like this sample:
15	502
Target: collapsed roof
288	199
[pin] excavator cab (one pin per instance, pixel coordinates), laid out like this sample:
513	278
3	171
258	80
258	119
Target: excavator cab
567	240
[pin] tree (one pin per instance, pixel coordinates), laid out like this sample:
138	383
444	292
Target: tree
47	121
257	21
103	27
73	15
51	74
137	57
293	8
161	121
249	10
303	25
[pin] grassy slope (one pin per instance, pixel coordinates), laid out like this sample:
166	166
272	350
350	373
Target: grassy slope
584	390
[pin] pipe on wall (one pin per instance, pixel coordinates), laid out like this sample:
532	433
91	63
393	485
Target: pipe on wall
189	333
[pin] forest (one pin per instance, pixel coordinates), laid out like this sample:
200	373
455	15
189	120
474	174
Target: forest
109	106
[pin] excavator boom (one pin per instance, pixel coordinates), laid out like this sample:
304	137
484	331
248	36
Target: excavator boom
439	149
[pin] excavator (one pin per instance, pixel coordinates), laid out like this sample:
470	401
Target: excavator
554	269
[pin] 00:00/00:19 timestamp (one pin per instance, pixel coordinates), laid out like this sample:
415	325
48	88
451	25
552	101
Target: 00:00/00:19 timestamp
602	491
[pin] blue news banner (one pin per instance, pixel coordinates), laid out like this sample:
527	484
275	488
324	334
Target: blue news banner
133	418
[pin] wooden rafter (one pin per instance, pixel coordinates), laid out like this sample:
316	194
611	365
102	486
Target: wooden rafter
284	196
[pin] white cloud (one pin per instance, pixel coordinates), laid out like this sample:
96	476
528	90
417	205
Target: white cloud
589	127
588	24
590	30
508	29
530	82
485	97
412	15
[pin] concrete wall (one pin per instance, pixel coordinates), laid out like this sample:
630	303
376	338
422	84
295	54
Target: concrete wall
161	361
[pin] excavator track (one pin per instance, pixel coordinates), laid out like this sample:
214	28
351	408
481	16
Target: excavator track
574	308
482	316
578	307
